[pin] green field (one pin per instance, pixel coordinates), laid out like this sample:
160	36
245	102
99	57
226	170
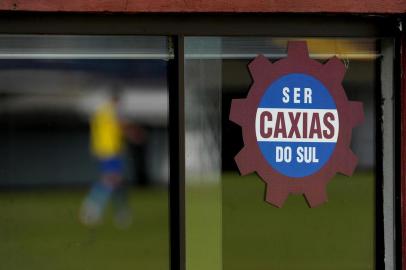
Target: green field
338	235
228	225
40	230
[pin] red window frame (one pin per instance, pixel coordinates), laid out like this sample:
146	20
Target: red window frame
241	6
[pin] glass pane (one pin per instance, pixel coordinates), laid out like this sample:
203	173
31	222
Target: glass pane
203	163
253	234
84	152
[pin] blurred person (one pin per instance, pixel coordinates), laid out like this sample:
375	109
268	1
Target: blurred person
107	131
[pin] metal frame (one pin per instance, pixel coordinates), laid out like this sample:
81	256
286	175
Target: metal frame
200	24
400	62
179	25
177	154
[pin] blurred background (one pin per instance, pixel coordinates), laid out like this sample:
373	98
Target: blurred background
45	109
50	86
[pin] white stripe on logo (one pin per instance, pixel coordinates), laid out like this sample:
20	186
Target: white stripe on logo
322	122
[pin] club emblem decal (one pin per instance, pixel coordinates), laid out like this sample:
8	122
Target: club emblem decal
296	124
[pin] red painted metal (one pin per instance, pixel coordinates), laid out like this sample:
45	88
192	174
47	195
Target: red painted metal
403	148
145	6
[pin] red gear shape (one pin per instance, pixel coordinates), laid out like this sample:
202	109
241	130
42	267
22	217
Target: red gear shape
243	113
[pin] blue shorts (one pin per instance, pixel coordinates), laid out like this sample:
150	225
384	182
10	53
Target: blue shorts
112	165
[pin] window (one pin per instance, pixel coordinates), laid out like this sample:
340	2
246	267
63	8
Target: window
61	166
190	67
228	223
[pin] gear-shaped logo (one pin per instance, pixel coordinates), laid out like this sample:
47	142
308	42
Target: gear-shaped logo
296	124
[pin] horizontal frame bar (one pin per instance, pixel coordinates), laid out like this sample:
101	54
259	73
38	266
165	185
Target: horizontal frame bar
200	24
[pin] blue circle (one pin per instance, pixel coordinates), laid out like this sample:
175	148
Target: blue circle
318	153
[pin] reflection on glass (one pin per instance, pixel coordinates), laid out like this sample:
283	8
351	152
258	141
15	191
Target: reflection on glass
203	163
255	235
84	154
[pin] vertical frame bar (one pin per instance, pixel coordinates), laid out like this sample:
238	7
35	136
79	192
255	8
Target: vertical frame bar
397	71
177	154
379	226
390	129
403	148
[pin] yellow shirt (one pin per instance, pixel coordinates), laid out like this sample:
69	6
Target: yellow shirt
106	134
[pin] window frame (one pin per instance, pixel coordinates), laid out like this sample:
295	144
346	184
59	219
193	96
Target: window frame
177	26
